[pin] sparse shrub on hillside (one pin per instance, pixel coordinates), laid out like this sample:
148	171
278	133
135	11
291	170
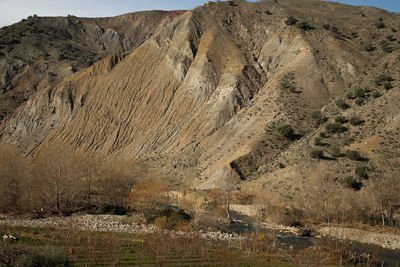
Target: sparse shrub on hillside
379	24
286	131
318	141
340	119
368	47
359	92
335	30
305	26
335	127
353	155
326	26
335	152
317	153
376	94
359	101
355	121
390	38
288	82
350	95
362	172
340	103
352	183
380	79
323	135
318	118
387	85
62	57
394	29
291	20
386	47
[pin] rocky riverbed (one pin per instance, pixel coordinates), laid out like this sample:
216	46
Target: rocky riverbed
105	223
114	223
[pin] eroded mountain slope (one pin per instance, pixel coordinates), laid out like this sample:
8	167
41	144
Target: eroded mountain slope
208	91
41	51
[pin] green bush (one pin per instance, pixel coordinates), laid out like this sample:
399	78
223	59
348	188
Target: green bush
172	218
286	131
303	25
326	27
376	94
335	127
368	47
335	152
387	85
340	119
335	29
379	24
352	183
340	103
323	135
110	209
353	155
362	172
318	118
317	141
291	20
355	121
316	153
350	95
386	47
380	79
359	101
359	92
288	82
390	38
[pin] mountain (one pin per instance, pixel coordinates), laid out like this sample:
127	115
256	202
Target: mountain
39	52
272	90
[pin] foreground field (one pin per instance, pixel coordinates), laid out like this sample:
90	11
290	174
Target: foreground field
52	246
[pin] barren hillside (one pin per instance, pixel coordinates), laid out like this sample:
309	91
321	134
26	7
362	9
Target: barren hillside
211	90
41	51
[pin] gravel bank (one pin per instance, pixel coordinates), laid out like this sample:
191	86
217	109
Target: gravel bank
390	241
105	223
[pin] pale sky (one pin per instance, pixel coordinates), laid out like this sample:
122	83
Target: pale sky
12	11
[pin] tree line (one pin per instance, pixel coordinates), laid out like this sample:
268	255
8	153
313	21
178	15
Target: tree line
59	181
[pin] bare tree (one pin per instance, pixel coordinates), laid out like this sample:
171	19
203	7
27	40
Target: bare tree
15	185
117	179
90	175
56	178
385	186
149	197
320	198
